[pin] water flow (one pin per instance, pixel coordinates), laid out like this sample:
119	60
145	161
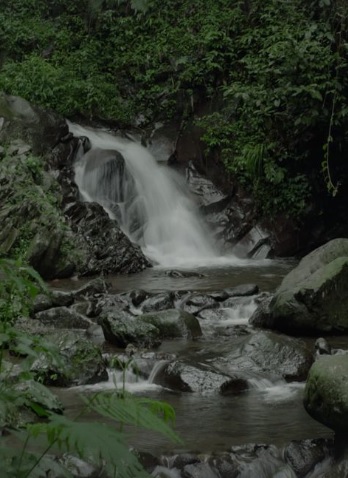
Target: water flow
148	200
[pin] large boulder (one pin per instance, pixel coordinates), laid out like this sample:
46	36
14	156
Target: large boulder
313	299
326	392
121	328
76	361
269	354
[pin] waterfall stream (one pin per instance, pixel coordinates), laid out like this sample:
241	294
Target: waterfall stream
149	201
153	208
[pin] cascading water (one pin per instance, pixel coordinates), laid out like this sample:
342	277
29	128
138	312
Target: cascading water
148	201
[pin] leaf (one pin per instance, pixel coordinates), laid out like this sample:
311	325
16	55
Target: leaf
102	444
141	412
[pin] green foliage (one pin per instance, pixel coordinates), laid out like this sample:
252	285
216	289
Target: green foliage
19	285
280	87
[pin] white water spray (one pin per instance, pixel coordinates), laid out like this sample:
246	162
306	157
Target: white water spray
148	201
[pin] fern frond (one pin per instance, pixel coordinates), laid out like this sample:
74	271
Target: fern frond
142	412
100	444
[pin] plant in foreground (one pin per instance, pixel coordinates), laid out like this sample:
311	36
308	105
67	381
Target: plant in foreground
32	450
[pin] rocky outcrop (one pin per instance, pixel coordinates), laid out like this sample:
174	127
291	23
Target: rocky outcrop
312	299
326	392
43	221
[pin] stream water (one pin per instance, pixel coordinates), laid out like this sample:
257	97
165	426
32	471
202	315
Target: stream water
165	223
270	412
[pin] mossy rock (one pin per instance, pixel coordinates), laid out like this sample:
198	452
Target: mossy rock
121	328
312	298
174	323
77	362
326	392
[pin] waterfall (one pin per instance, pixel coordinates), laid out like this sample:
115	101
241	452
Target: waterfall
149	201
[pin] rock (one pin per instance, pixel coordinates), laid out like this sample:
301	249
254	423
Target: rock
158	302
61	298
312	298
268	353
242	290
326	392
262	317
43	220
304	455
76	362
201	379
322	347
122	328
174	323
42	302
195	302
256	244
92	288
63	318
138	297
40	395
198	470
41	129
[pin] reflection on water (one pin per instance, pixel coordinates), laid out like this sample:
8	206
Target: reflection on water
266	274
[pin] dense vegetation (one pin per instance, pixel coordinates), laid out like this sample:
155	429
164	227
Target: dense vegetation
275	73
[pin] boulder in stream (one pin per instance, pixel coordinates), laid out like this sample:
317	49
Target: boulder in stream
121	328
174	323
269	354
326	392
76	361
313	299
199	378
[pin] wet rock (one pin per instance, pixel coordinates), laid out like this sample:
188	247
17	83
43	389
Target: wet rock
122	328
104	247
304	455
326	392
138	297
198	470
40	395
322	347
42	302
180	274
174	323
94	287
63	318
76	361
201	379
89	308
312	298
256	244
262	317
196	302
265	352
242	290
158	302
183	459
61	298
225	466
80	468
219	296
